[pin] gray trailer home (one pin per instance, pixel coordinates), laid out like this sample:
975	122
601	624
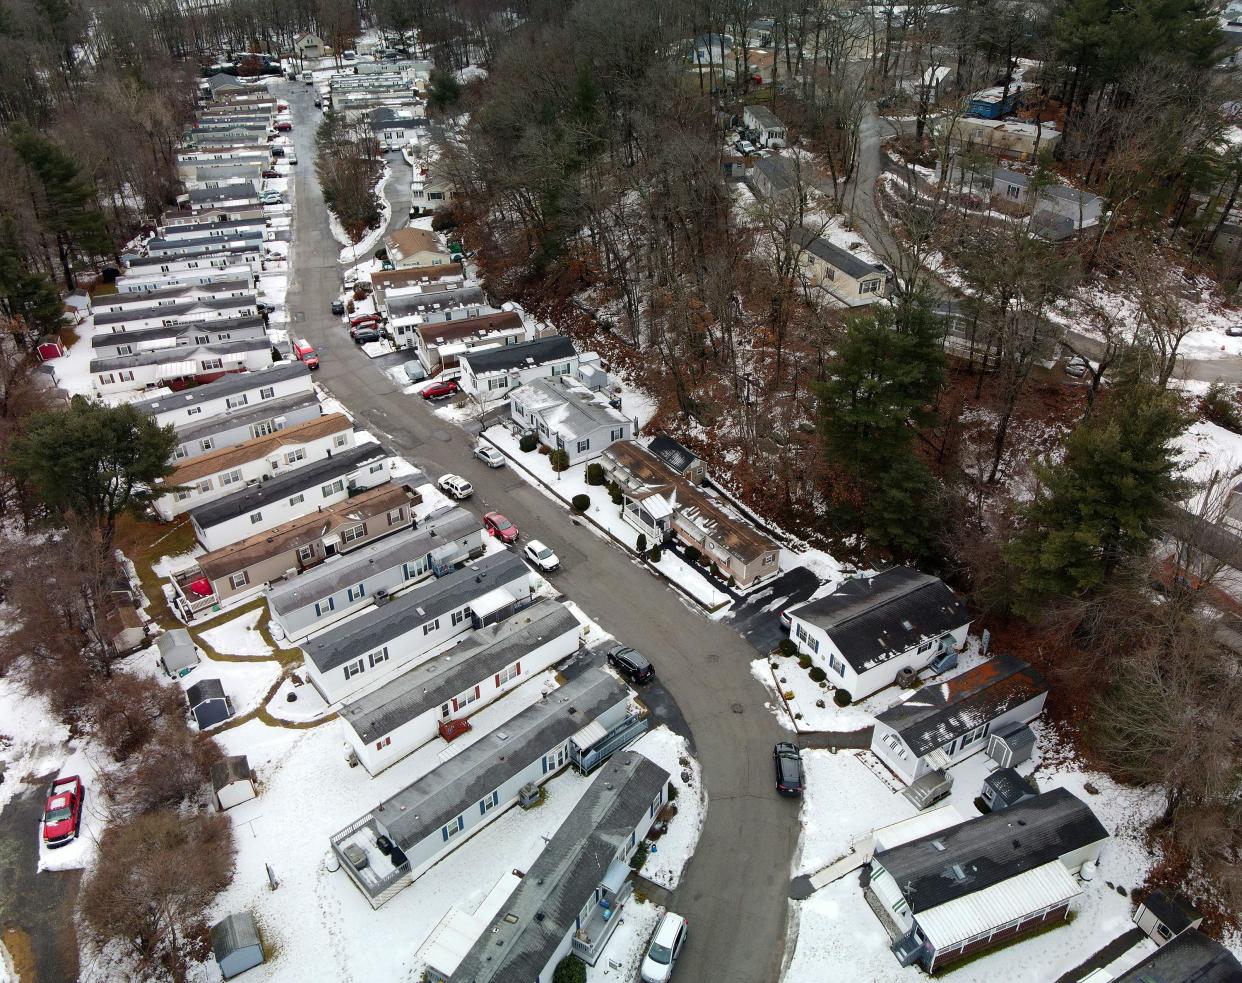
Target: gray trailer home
232	392
242	285
571	899
264	506
386	724
385	850
348	584
406	629
158	367
218	331
152	314
244	422
248	254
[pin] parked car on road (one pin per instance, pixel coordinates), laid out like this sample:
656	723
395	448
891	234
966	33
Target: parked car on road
366	334
62	815
272	198
414	370
788	760
303	352
1234	331
1076	367
633	665
358	319
500	527
270	173
666	946
284	126
745	147
439	390
542	557
308	78
489	455
455	486
338	307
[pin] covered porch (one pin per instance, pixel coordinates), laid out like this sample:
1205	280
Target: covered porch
599	919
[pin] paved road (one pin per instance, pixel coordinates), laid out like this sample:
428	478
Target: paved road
38	905
735	889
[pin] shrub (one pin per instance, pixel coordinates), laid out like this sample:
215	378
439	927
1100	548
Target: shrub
641	544
615	494
595	473
349	307
704	561
788	694
528	442
1219	405
804	660
581	503
381	254
842	697
817	674
639	858
692	554
559	459
655	554
672	792
443	220
787	647
571	969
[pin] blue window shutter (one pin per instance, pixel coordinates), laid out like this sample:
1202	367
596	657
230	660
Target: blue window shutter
444	833
483	808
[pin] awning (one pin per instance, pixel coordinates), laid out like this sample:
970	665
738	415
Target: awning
494	600
175	370
590	735
615	876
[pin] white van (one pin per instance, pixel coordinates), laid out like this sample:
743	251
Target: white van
308	77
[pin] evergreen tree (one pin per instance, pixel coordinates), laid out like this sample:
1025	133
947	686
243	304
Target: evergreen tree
24	293
443	90
1102	503
91	460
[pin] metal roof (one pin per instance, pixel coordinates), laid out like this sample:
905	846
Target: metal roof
412	608
567	407
227	193
229	385
874	619
531	925
479	657
765	118
208	303
987	850
190	354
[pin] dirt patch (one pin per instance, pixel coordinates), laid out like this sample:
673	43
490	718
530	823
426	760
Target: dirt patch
21	957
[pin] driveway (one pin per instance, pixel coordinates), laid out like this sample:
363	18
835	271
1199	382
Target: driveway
740	874
759	619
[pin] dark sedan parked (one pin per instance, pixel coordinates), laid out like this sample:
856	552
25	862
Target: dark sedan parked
634	666
365	334
788	761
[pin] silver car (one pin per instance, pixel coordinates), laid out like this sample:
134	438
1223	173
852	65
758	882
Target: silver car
666	946
489	455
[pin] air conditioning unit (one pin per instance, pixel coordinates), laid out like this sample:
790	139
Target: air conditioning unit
382	597
528	795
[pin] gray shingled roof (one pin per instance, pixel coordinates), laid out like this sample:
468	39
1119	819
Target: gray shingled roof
244	416
779	171
223	194
767	119
538	352
873	619
229	385
212	325
940	712
672	453
483	654
178	353
1175	911
204	690
206	247
415	607
958	861
392	551
832	254
311	475
147	298
530	926
233	933
421	809
1191	957
403	305
233	768
237	250
171	310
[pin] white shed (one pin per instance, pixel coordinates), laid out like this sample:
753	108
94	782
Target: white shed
232	781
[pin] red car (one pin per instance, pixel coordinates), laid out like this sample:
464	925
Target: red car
360	319
271	173
439	390
500	527
284	127
62	816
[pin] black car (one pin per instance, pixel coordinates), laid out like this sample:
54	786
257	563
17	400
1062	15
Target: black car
788	761
366	334
634	666
338	307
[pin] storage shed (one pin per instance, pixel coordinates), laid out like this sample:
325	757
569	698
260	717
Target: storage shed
236	944
208	703
1011	746
177	651
1005	787
232	781
1164	916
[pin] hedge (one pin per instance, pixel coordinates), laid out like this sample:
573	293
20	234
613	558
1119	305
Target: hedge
581	503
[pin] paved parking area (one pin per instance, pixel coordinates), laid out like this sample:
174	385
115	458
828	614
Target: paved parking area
758	620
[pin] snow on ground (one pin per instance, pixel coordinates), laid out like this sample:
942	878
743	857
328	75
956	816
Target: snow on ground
669	855
245	682
349	255
846	801
32	740
308	705
628	944
85	762
471	73
1206	450
72	371
239	636
535	468
826	567
319	918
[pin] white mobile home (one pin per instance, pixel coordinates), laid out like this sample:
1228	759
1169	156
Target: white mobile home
229	393
244	423
201	363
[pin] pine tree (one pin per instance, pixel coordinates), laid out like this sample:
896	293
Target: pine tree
1102	503
24	293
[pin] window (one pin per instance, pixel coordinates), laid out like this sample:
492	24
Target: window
323	607
377	467
836	665
1163	931
181	452
353	668
297	499
378	656
445	710
126	376
205	486
453	828
239	580
1014	191
459	616
584	445
489	803
357	592
125	349
306	553
416	569
201	339
107	379
501	383
657	802
465	699
562	369
340	440
335	488
806	638
508	673
974	735
181	496
212	363
395	516
294	456
262	429
431	626
616	434
925	646
194	411
354	533
230	477
869	286
267	392
380	745
256	518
